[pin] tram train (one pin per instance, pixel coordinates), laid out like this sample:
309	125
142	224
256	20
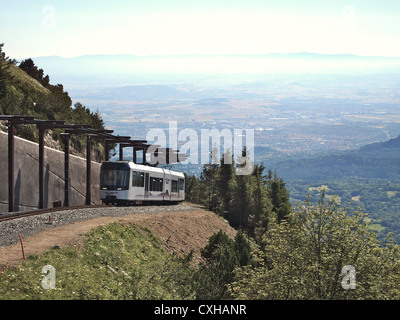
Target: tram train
127	183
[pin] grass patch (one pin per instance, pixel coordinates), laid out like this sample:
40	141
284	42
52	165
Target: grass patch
23	79
117	261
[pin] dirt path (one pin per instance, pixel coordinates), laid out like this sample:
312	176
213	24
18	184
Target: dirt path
179	232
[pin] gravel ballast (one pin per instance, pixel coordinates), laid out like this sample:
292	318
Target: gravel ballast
27	226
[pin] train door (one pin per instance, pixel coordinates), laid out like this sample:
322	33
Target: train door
164	189
181	189
146	186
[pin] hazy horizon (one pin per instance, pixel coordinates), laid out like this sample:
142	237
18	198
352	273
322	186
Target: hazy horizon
76	28
344	54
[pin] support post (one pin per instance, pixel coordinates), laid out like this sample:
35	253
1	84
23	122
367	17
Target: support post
107	151
88	170
66	137
144	156
41	166
121	152
10	166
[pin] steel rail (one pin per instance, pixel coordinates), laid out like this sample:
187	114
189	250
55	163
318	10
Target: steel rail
23	214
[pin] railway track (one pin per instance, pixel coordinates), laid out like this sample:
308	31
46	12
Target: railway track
23	214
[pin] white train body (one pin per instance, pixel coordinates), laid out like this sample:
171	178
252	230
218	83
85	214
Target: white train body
124	182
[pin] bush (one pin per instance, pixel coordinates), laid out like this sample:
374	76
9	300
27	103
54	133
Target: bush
304	256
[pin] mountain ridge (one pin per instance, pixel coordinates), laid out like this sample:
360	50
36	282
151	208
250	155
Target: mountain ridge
375	160
270	54
93	71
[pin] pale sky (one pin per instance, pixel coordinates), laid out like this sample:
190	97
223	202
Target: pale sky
32	28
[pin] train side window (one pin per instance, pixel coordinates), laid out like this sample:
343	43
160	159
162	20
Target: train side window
153	182
181	184
156	184
137	179
174	186
134	178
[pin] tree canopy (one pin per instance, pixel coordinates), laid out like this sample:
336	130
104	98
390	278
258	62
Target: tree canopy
248	201
305	256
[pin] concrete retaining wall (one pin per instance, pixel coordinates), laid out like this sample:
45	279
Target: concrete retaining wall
26	174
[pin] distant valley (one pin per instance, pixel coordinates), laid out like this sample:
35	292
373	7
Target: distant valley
299	105
367	178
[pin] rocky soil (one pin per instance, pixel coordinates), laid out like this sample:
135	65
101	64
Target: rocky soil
181	228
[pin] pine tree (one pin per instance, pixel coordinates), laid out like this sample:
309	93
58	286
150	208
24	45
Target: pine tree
192	192
262	204
243	249
208	190
222	256
279	195
221	259
242	202
225	182
32	70
3	55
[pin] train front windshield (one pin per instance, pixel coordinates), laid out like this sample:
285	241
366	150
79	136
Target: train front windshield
114	176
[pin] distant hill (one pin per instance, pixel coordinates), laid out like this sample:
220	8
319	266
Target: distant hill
388	149
377	160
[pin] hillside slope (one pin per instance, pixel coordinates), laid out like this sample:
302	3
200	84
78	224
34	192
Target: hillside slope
376	160
179	232
22	80
26	92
